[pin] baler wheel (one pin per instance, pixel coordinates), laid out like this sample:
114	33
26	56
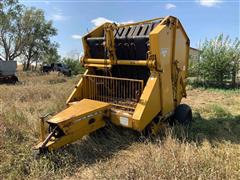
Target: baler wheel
14	79
183	115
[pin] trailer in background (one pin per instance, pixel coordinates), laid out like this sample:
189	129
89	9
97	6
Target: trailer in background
8	71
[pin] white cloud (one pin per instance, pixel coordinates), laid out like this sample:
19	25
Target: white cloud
58	15
99	21
170	6
46	2
76	36
208	3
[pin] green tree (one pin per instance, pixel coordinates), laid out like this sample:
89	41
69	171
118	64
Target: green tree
219	59
51	54
74	65
72	61
235	54
11	30
37	32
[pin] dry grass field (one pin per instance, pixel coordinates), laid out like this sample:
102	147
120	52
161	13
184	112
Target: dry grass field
209	150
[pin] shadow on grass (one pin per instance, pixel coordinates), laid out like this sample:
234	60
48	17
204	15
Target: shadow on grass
213	129
104	144
100	146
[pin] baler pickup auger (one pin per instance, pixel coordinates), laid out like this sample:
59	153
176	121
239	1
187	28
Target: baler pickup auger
135	77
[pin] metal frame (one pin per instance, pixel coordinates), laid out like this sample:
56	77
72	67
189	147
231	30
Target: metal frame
120	92
110	47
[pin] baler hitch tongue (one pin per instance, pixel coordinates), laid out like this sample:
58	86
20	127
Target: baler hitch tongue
71	124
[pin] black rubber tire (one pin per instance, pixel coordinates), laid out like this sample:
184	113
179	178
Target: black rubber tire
14	79
183	115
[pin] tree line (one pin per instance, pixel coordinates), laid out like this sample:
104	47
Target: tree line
219	62
25	34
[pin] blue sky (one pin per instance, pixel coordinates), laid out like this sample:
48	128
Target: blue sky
200	18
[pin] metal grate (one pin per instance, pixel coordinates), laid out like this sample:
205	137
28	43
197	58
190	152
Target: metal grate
120	92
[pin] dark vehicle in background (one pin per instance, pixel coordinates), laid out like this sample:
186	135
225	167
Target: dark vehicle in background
59	67
8	71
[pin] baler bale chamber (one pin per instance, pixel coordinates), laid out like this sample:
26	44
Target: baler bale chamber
135	77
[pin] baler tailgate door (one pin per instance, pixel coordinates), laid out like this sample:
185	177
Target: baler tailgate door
76	121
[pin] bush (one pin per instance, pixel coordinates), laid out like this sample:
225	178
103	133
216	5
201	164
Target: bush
74	65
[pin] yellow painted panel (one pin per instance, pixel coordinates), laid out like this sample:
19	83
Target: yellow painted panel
76	95
79	109
82	129
161	46
149	104
117	116
181	55
181	49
